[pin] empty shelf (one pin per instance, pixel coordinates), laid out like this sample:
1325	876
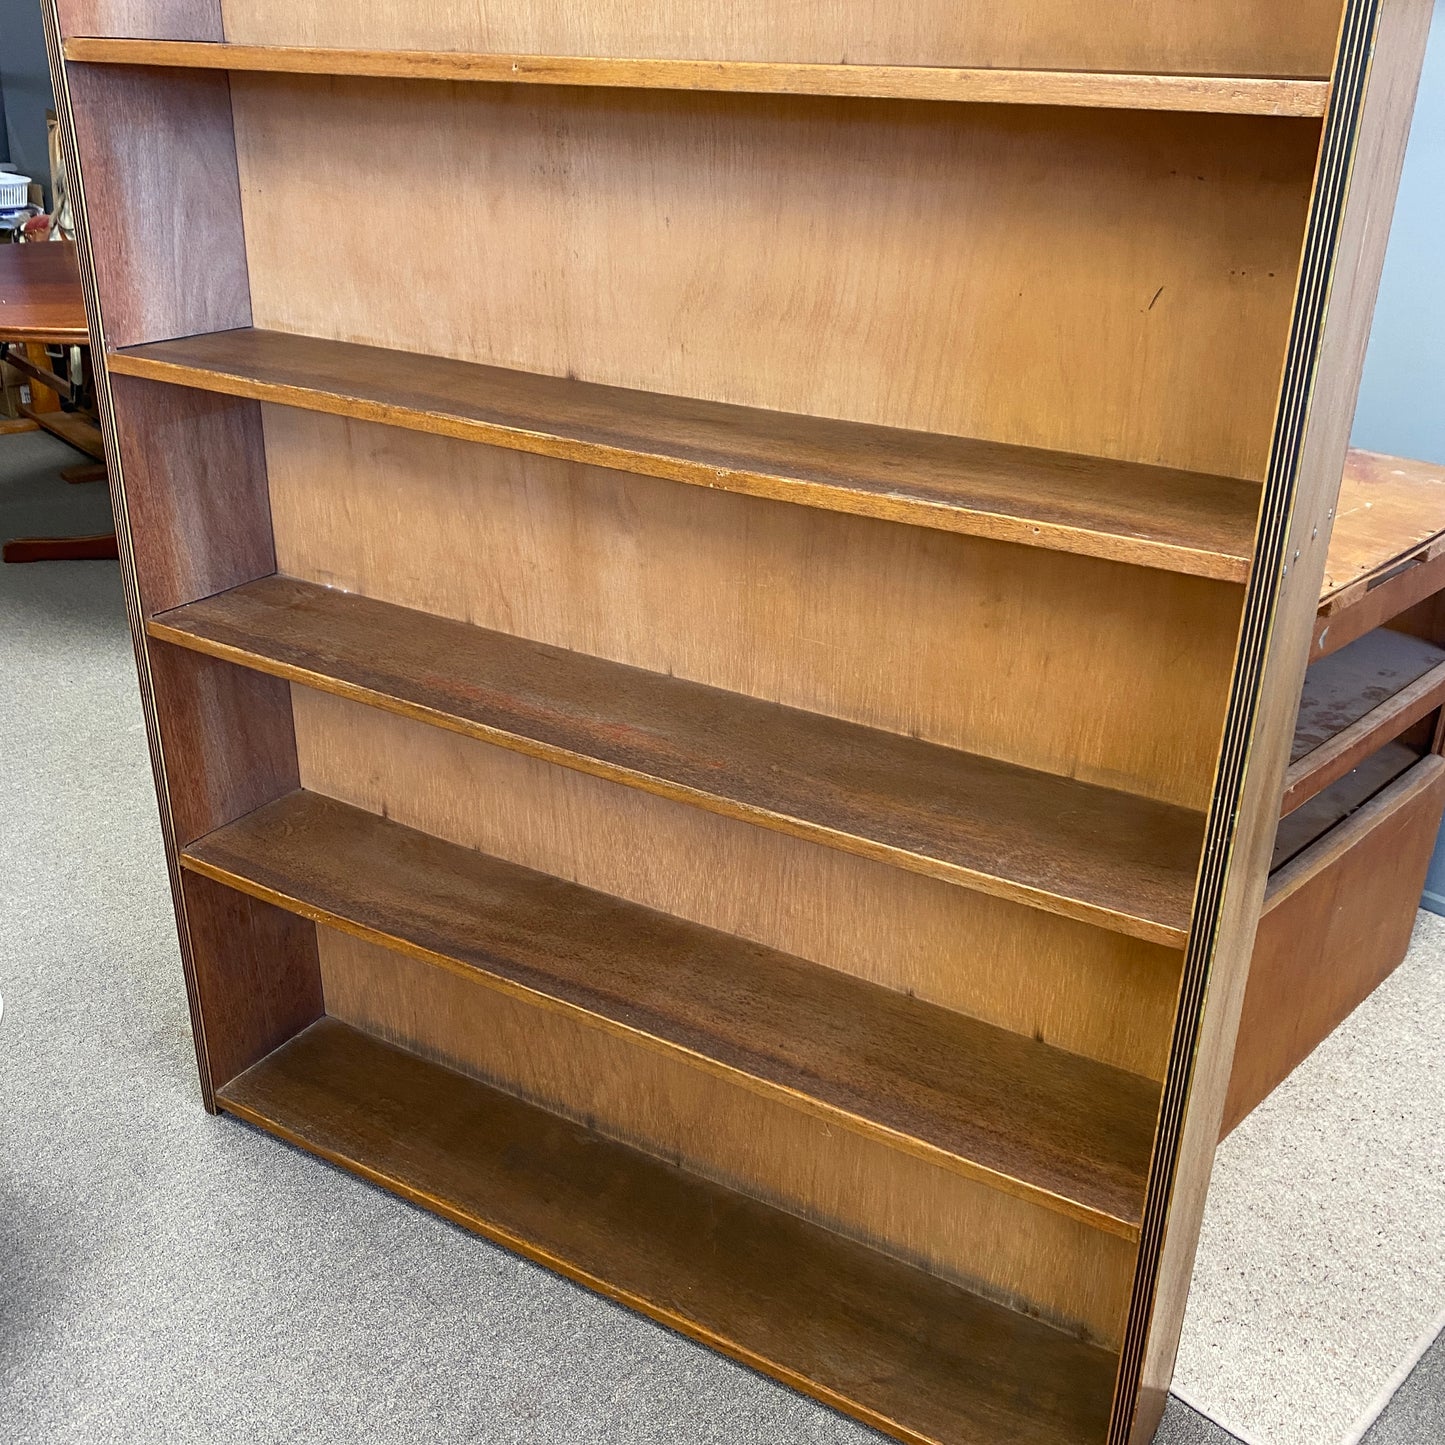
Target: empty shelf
910	1353
1309	822
1148	516
1366	694
1091	853
1035	1121
1247	95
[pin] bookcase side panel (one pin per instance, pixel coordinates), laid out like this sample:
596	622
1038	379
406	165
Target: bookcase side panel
1360	171
152	165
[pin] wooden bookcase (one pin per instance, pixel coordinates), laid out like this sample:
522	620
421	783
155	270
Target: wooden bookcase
720	592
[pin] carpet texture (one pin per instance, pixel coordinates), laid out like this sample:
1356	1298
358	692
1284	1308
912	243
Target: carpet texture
168	1277
1321	1268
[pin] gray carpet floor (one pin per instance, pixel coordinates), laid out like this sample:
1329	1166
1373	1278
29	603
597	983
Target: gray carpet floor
166	1276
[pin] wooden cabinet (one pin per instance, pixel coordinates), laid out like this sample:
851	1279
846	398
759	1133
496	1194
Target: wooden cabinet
1366	784
720	592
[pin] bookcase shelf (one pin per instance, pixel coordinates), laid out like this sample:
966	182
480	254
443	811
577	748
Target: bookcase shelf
1225	94
720	709
1095	854
1153	516
1030	1119
1370	691
904	1351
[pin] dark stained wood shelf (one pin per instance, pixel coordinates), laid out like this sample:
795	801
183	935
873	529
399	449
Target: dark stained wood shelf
905	1351
1312	820
1244	95
1147	516
1091	853
1368	692
1064	1131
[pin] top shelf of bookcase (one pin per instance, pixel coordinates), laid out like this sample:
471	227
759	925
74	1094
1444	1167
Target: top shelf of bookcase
1220	94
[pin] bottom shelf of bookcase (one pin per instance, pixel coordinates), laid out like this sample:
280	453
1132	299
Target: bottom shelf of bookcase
914	1355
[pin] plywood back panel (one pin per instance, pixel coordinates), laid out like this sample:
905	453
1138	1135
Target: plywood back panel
1117	284
1009	1250
1084	989
1110	673
1225	36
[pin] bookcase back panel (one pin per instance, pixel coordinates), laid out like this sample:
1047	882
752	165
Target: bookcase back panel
999	649
1006	1248
1116	284
1083	989
1230	36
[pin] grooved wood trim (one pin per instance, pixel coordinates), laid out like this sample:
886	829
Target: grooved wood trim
1364	144
911	1354
1242	95
1020	1116
1099	856
1150	516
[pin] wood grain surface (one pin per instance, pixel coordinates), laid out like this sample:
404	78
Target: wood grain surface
1372	691
906	1352
1025	1117
1101	994
1151	516
1009	1249
1336	924
975	645
40	297
985	85
988	271
1227	37
1099	856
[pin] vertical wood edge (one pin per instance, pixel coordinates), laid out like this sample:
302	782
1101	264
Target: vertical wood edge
75	183
1382	44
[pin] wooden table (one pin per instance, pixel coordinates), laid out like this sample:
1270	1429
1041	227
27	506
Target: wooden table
41	304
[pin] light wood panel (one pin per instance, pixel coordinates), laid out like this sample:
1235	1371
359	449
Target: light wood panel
1034	1121
981	271
1089	853
1376	689
1007	1249
903	1351
1178	521
1097	994
1212	93
998	650
1226	37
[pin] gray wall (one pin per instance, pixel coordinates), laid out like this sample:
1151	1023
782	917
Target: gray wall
1402	398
